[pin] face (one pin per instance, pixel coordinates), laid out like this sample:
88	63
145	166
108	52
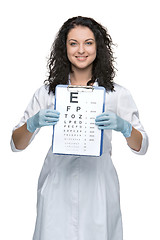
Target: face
81	47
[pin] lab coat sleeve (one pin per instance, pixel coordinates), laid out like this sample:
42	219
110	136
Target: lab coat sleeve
127	109
38	101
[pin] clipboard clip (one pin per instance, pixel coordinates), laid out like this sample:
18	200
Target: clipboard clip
78	88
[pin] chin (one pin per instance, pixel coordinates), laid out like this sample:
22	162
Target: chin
82	65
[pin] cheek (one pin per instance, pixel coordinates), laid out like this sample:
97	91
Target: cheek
93	52
70	52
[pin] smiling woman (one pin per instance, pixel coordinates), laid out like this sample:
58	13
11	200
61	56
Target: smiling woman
78	195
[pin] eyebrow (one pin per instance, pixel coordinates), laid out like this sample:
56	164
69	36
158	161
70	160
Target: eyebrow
85	40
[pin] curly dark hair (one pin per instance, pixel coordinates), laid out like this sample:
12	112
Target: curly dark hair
59	66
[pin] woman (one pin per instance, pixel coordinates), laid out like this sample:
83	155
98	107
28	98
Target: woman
78	196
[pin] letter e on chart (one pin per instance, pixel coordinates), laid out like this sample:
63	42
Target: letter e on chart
73	96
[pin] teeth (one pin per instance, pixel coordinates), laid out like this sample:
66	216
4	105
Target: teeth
81	57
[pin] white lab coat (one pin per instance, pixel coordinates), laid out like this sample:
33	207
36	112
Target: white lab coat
78	196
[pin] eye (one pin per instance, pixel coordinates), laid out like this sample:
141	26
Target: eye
88	43
73	43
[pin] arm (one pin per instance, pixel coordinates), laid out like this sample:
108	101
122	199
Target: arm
109	120
135	140
127	109
21	137
126	120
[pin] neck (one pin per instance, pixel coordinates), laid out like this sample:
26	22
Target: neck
80	76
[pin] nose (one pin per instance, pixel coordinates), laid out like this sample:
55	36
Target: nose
81	49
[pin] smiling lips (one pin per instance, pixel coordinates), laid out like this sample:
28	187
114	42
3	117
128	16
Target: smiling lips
81	58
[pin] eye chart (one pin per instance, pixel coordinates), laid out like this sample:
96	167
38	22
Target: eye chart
76	132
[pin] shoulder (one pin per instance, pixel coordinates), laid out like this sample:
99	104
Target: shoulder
119	96
43	97
43	92
124	98
118	89
119	92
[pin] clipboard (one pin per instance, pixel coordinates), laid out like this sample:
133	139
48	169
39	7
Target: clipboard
76	132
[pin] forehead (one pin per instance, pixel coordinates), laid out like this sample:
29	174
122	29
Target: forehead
81	33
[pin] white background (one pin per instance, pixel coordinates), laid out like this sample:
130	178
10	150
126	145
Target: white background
28	29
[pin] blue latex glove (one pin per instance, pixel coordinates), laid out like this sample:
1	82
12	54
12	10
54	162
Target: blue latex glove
45	117
109	120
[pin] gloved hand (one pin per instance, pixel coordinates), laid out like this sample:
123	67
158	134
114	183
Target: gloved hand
109	120
44	117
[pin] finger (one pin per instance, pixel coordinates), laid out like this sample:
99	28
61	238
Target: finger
52	111
102	120
105	127
52	115
101	123
101	115
104	124
50	123
107	113
51	119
